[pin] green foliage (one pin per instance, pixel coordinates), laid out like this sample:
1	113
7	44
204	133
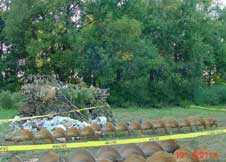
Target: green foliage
213	95
131	92
9	100
148	52
80	95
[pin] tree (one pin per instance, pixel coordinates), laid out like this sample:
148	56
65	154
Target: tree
147	51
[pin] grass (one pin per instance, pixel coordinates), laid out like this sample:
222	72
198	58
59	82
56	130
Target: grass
6	114
134	113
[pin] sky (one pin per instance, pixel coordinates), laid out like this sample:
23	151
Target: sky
223	2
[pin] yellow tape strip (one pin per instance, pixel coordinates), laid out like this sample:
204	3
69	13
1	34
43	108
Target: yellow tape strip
17	148
43	116
209	109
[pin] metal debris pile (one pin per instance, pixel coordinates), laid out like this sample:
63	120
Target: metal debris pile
46	95
56	122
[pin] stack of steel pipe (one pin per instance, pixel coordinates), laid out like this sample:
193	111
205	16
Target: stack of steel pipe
167	151
95	131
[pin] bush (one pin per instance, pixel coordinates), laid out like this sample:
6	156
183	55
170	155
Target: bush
81	96
213	95
9	100
130	93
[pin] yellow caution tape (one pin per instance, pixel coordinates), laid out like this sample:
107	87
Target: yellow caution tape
44	116
17	148
209	109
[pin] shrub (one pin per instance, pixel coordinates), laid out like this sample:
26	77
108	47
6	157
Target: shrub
9	100
80	95
213	95
131	92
